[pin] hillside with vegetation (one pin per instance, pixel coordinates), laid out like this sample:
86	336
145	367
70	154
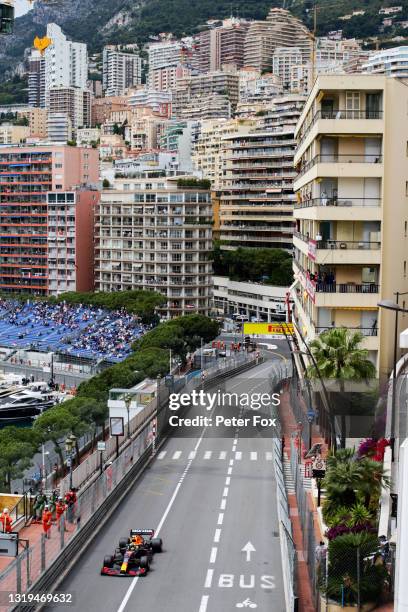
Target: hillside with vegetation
125	21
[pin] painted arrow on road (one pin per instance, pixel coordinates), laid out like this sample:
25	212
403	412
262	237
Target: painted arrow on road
248	549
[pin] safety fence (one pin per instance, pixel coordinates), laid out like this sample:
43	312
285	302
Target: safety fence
42	561
285	530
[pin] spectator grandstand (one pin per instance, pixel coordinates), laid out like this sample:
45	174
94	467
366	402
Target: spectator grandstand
70	329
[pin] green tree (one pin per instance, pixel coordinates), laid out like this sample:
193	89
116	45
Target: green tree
339	356
55	424
17	447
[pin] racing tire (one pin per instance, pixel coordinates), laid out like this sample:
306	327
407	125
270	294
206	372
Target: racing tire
157	545
123	542
108	561
144	563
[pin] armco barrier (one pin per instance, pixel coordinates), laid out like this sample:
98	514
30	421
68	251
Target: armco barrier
43	567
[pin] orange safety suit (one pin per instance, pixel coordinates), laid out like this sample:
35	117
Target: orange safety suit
46	522
6	521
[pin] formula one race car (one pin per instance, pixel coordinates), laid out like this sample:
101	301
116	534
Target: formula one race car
133	555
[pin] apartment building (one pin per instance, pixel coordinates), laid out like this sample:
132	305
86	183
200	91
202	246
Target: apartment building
30	177
391	62
169	59
221	45
120	71
165	79
203	87
102	108
282	61
351	244
63	64
13	134
208	150
59	128
72	101
154	234
257	196
37	121
250	300
280	29
159	102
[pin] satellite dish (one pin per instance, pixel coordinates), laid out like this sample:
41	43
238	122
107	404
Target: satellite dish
41	44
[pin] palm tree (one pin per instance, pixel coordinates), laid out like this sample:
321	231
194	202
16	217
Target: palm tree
338	355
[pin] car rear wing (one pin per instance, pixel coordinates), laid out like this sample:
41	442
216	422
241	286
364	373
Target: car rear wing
147	532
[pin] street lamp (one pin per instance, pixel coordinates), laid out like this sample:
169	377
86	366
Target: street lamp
395	307
69	447
128	401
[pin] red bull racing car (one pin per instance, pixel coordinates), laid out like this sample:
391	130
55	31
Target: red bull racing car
133	555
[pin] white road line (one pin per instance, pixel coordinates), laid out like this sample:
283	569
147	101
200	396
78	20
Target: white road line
176	455
223	503
207	454
208	579
223	455
238	455
163	518
192	455
254	456
203	604
231	462
162	455
269	456
220	518
217	535
225	492
213	554
228	480
229	471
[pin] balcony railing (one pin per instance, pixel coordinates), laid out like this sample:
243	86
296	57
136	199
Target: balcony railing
365	331
334	158
347	288
340	114
335	201
348	244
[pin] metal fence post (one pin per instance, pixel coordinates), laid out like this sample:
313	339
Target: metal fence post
62	530
358	580
43	561
18	574
28	567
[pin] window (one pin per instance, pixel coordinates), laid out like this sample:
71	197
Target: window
60	165
58	186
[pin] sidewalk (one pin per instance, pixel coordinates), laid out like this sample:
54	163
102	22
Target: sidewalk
289	427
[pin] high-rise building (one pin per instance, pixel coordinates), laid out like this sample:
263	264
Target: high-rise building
159	102
282	61
63	64
74	102
200	88
59	128
121	71
350	245
391	62
37	121
154	234
208	150
42	251
221	45
257	194
166	59
281	29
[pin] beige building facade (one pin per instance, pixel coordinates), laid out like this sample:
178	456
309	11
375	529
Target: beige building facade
351	211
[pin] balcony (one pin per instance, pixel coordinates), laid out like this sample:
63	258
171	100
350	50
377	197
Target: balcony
365	331
332	252
337	209
337	122
346	295
334	158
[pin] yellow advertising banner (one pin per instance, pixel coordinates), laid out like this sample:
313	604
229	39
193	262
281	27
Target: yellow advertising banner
268	329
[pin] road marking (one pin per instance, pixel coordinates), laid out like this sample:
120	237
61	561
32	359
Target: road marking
223	503
203	604
223	455
220	518
207	454
208	579
238	456
162	455
176	455
231	462
229	471
213	554
192	455
228	480
269	456
225	492
217	535
163	518
254	456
